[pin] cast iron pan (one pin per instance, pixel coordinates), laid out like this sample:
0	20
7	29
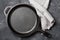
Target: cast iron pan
24	21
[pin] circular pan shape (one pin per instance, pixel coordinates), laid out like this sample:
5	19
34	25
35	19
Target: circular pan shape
14	19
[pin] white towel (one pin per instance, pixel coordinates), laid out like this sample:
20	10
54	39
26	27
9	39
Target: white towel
41	8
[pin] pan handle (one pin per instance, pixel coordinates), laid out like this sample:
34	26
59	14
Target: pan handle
6	10
47	34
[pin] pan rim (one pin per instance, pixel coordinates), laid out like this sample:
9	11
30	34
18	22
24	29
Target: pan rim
12	9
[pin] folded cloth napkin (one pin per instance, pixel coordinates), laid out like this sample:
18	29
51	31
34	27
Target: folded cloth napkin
41	6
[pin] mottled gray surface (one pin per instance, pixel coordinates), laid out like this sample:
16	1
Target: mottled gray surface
6	34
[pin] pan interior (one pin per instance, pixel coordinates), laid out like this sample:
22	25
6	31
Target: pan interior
23	20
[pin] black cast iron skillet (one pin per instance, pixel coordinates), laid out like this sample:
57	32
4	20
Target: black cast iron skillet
23	20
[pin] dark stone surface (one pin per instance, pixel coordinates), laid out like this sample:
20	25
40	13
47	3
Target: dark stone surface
6	34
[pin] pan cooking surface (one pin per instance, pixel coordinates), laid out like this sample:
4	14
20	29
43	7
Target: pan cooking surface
23	19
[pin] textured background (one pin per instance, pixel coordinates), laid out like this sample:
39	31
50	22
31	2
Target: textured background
6	34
